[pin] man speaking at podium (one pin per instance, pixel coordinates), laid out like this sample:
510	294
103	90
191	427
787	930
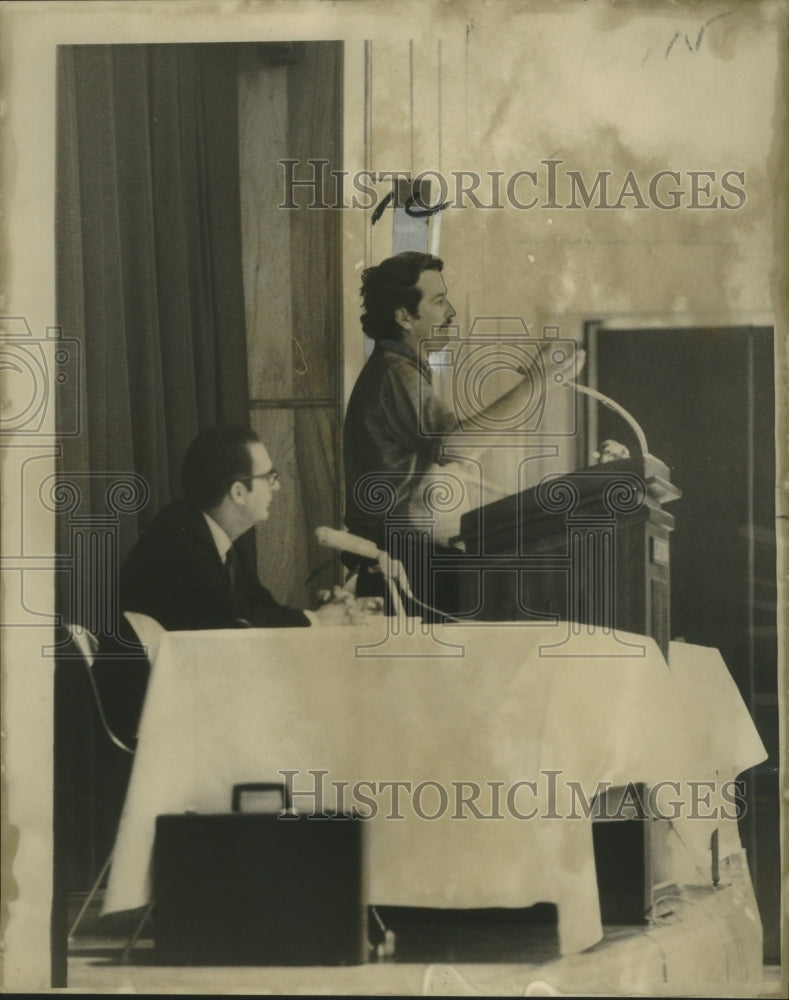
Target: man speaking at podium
396	424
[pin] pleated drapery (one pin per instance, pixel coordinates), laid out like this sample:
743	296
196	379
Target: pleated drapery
150	302
149	277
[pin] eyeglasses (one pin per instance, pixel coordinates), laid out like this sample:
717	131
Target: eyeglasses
271	476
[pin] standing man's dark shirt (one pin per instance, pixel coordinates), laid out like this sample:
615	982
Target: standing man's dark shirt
393	432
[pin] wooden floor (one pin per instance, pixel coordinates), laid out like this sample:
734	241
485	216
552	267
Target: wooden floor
702	954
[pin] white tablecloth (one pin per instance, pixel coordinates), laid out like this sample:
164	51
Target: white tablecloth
243	706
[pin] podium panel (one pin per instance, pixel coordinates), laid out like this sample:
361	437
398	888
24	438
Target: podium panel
591	547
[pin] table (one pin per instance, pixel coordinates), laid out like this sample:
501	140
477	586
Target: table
245	705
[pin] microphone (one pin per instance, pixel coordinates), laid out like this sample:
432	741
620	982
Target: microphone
569	383
654	470
344	541
613	405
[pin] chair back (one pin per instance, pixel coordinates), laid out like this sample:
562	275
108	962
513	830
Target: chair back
85	641
88	646
148	631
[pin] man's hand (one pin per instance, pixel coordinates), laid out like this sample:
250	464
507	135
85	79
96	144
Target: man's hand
342	607
571	367
393	569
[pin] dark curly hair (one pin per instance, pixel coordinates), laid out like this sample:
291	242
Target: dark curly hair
216	458
391	285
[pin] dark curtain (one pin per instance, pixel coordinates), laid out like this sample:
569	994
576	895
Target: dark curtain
149	286
149	278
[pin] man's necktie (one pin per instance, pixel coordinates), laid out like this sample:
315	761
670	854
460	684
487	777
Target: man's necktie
231	565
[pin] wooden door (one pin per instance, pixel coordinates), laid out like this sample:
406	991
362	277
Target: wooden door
705	399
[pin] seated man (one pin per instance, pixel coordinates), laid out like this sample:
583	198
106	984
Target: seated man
186	572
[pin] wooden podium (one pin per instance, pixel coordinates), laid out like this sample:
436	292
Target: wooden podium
590	546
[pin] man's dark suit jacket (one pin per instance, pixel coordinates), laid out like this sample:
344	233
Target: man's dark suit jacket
175	574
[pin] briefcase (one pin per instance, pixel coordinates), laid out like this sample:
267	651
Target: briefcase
259	889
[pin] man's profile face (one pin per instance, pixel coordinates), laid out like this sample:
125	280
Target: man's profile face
434	312
261	491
